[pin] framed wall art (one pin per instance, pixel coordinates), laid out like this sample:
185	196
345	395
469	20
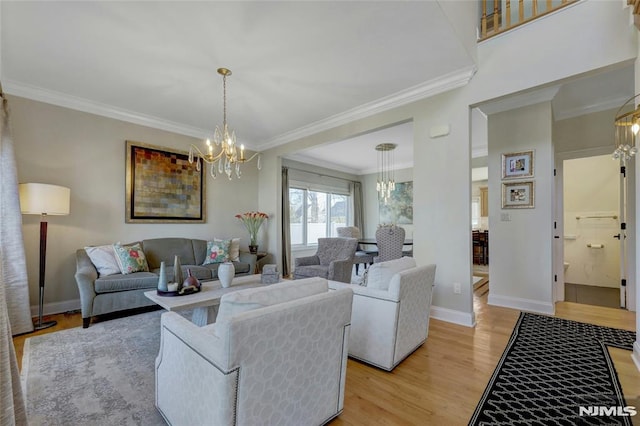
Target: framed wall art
518	195
162	186
399	209
517	165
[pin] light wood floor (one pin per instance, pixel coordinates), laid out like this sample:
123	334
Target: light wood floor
441	383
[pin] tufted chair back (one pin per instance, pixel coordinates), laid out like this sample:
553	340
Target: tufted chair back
349	232
389	239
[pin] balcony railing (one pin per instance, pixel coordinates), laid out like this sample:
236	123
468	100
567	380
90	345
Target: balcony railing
499	16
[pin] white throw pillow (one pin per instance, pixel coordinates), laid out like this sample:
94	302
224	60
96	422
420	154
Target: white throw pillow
234	303
379	274
104	259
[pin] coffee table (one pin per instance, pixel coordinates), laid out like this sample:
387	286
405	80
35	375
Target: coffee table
205	302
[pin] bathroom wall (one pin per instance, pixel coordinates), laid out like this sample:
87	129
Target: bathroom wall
591	193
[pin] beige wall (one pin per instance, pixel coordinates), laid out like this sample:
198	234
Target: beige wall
86	153
591	188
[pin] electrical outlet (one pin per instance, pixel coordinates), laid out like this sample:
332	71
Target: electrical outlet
505	217
456	288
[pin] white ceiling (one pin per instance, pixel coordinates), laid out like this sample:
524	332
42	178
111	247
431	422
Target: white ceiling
294	64
298	67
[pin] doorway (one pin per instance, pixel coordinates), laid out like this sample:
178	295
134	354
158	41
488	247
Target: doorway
591	199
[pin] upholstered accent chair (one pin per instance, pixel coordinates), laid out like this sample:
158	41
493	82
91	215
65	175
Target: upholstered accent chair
390	239
276	355
390	317
361	256
333	260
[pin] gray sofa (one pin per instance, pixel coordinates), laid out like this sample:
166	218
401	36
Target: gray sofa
119	292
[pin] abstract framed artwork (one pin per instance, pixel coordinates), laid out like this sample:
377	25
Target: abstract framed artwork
162	186
399	209
517	165
518	195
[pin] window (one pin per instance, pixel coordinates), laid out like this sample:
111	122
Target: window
316	214
475	213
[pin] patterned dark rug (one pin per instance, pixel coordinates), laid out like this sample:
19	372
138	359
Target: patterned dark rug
552	367
101	375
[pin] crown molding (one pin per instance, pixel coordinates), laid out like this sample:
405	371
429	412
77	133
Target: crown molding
396	166
321	163
430	88
518	101
92	107
590	109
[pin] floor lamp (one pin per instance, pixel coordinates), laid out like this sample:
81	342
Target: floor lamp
44	200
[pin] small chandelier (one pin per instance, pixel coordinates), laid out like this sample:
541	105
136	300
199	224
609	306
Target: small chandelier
227	159
386	176
627	126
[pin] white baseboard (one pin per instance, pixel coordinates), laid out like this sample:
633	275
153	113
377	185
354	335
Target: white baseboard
56	307
635	356
456	317
522	304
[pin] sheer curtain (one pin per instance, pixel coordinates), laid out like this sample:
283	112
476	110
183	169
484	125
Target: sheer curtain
358	210
15	316
286	229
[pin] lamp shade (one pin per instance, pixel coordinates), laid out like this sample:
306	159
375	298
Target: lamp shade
41	198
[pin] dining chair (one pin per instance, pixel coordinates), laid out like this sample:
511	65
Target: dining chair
361	256
390	239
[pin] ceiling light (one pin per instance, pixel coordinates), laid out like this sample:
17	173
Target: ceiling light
626	130
226	160
386	176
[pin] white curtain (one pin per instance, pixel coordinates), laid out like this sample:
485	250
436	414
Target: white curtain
15	315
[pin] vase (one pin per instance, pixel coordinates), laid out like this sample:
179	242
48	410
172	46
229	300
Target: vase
191	281
253	248
162	279
226	272
177	272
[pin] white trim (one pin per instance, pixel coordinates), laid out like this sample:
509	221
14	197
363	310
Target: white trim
635	356
430	88
479	151
589	109
85	105
522	304
584	153
456	317
56	307
396	166
521	100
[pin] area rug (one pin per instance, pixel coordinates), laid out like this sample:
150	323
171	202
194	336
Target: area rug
550	368
101	375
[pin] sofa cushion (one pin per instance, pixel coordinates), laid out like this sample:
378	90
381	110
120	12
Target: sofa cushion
104	259
379	275
312	271
217	251
165	249
130	258
200	272
120	282
232	304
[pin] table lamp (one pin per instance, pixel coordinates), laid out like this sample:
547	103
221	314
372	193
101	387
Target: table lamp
44	200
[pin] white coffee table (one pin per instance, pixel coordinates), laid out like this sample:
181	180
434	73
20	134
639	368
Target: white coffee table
205	302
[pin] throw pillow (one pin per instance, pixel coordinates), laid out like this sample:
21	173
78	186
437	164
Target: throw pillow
234	250
217	251
379	274
131	258
104	259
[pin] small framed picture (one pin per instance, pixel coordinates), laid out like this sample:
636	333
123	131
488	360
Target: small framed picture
518	195
517	165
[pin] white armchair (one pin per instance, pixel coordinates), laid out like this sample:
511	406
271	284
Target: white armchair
277	356
388	324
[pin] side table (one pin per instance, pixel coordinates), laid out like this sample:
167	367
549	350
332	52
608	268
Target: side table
263	258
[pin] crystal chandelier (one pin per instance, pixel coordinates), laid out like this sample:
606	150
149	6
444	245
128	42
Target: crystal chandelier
627	126
226	160
386	176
